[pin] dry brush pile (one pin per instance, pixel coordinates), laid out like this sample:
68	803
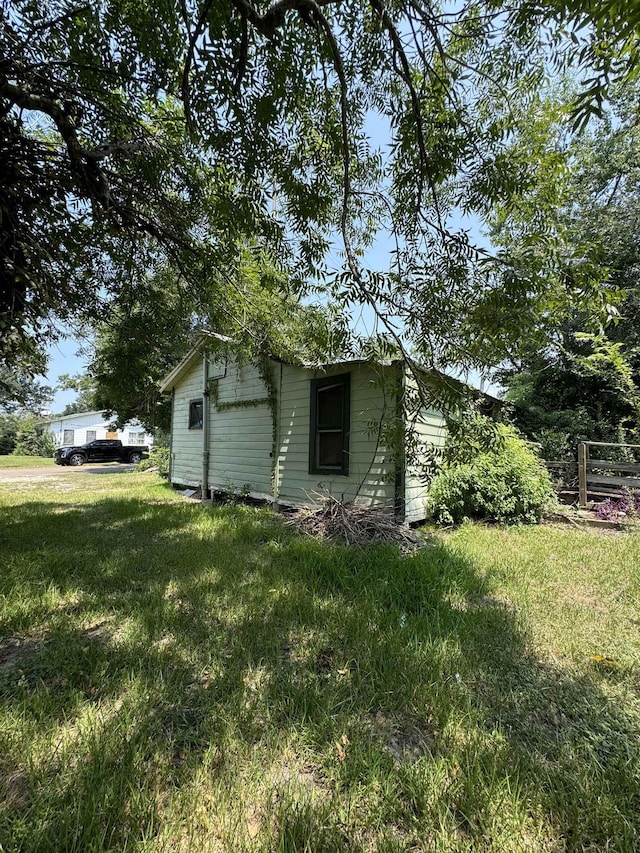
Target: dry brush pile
338	521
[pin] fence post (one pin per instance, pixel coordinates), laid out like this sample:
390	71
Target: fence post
583	454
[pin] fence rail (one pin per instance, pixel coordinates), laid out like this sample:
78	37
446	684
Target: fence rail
601	478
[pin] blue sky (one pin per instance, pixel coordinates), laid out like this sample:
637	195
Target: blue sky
64	358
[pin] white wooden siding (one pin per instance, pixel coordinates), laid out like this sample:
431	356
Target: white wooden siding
371	475
429	428
241	439
186	444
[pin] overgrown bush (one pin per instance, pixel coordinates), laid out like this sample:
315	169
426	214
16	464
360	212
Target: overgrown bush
8	433
158	458
32	439
505	482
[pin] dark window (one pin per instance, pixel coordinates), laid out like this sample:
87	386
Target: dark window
329	427
195	414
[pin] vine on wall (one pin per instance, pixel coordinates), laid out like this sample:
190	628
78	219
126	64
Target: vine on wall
264	366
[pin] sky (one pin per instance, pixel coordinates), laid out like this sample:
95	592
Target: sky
64	358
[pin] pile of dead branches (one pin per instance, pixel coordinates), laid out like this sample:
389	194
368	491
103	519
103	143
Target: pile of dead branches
332	519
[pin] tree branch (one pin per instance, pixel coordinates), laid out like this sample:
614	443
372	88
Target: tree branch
193	38
273	19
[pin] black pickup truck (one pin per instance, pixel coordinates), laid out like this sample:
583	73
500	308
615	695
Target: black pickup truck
105	450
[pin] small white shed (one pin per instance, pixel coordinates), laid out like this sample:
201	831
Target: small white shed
288	433
82	427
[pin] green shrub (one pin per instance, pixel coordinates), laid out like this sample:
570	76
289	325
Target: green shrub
505	483
8	433
32	439
158	458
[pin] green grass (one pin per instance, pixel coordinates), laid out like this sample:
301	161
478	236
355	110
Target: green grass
202	679
25	462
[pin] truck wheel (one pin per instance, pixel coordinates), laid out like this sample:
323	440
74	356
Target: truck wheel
77	459
134	458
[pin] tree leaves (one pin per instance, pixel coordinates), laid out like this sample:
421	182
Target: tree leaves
135	134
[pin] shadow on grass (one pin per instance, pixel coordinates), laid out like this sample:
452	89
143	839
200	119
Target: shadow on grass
176	641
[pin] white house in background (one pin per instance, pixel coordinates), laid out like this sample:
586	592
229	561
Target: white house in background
82	427
288	433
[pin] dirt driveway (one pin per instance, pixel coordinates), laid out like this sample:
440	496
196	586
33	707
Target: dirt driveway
37	475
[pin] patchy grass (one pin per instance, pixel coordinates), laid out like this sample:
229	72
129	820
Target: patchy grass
174	677
26	462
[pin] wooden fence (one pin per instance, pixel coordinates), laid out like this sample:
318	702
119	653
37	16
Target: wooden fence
601	478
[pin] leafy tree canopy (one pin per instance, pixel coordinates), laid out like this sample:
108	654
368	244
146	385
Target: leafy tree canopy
102	182
583	381
23	399
84	386
149	332
20	392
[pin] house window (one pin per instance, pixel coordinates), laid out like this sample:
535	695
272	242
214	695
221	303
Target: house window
91	435
136	438
329	426
67	437
195	414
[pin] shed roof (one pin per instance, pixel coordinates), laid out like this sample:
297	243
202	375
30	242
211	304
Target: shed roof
203	338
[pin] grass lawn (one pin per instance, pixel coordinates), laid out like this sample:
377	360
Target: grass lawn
26	462
198	679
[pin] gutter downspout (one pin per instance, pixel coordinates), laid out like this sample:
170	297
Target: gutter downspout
205	428
276	444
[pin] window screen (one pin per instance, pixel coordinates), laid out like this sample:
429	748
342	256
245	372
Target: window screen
67	437
329	427
195	414
91	435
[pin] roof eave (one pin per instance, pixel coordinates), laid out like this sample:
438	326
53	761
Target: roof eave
197	349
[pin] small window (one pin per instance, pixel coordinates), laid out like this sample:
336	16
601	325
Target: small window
195	414
329	427
67	438
91	435
136	438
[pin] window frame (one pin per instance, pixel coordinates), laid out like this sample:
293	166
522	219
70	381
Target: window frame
198	401
343	379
